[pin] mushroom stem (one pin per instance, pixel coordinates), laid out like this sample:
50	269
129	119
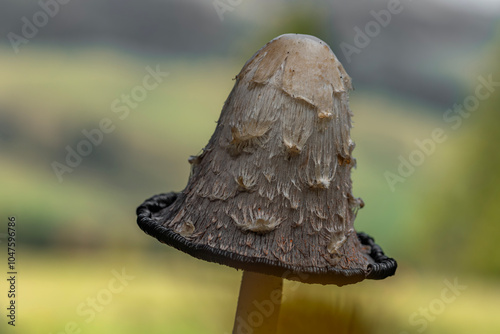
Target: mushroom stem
258	304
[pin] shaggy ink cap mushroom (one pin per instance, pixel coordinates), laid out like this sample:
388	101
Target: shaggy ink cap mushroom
272	192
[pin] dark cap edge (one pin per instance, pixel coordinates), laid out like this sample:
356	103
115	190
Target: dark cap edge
382	267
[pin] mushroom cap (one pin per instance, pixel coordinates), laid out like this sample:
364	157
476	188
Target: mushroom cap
272	191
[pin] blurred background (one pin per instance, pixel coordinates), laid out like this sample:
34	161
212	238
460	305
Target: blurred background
69	68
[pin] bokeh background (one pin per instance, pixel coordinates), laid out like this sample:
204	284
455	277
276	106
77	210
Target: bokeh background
440	221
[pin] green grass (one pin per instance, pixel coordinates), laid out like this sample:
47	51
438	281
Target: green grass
174	293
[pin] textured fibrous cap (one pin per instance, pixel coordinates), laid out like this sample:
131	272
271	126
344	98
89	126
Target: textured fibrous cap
271	191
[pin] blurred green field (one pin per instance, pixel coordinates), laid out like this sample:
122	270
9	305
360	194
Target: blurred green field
73	234
174	293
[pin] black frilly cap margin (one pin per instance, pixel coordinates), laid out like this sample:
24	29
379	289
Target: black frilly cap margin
381	267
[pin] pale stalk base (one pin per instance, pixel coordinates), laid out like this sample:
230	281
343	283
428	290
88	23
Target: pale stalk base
258	304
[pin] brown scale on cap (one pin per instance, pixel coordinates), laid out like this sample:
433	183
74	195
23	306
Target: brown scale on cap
271	191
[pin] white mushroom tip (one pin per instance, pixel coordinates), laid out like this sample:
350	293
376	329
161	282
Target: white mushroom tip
303	66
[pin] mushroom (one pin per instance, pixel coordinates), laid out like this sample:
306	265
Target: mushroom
271	192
